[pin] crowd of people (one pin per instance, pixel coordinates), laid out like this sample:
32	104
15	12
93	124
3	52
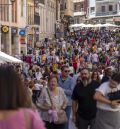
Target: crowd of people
76	76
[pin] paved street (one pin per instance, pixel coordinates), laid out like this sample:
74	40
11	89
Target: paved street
71	125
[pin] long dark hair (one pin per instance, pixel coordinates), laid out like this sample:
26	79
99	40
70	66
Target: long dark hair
13	93
98	77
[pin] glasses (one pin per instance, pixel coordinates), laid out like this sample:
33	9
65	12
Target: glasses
67	71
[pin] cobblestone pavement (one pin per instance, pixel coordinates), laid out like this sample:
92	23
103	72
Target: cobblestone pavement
71	125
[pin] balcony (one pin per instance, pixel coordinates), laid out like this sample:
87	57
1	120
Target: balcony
76	1
79	13
68	12
67	8
106	0
106	13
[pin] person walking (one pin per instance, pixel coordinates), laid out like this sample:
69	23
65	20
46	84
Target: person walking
66	82
108	104
83	104
16	110
51	103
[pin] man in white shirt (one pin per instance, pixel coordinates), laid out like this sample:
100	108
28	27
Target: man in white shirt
38	74
95	58
108	104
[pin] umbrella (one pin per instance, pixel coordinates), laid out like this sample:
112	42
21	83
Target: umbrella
74	25
108	25
7	58
98	25
88	25
81	24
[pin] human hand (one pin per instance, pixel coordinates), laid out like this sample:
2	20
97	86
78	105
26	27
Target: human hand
74	118
115	103
53	107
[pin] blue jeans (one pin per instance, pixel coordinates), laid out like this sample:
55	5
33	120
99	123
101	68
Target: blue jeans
68	113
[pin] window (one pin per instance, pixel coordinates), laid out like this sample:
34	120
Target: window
14	12
77	20
110	8
65	5
22	5
41	1
37	19
92	9
82	6
75	7
103	8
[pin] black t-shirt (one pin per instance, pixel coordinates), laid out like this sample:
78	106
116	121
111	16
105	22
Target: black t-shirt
86	103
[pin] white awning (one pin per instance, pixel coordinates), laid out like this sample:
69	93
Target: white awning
7	58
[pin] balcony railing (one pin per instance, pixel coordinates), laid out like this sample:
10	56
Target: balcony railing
76	1
106	0
106	13
79	13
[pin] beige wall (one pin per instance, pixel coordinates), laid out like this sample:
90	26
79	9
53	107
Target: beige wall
48	19
98	7
11	45
70	8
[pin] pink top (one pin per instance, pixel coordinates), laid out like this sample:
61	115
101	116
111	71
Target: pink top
18	121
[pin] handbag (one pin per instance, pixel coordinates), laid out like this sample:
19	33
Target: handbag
62	117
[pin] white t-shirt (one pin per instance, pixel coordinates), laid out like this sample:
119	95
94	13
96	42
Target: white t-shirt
95	58
38	75
38	86
105	90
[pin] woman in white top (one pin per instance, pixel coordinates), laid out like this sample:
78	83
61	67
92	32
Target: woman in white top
108	104
59	102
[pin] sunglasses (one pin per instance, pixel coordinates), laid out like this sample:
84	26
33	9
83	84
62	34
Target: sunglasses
67	71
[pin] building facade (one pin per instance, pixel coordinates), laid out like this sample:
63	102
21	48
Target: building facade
24	23
80	10
12	19
49	16
66	15
41	19
104	11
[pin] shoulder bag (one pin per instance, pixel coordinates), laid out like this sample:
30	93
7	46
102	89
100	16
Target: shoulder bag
62	117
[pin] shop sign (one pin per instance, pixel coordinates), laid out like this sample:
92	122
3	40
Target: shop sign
14	30
5	29
22	32
22	40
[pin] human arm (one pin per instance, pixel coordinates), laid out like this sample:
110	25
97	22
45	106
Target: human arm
74	103
64	98
41	103
74	110
100	96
